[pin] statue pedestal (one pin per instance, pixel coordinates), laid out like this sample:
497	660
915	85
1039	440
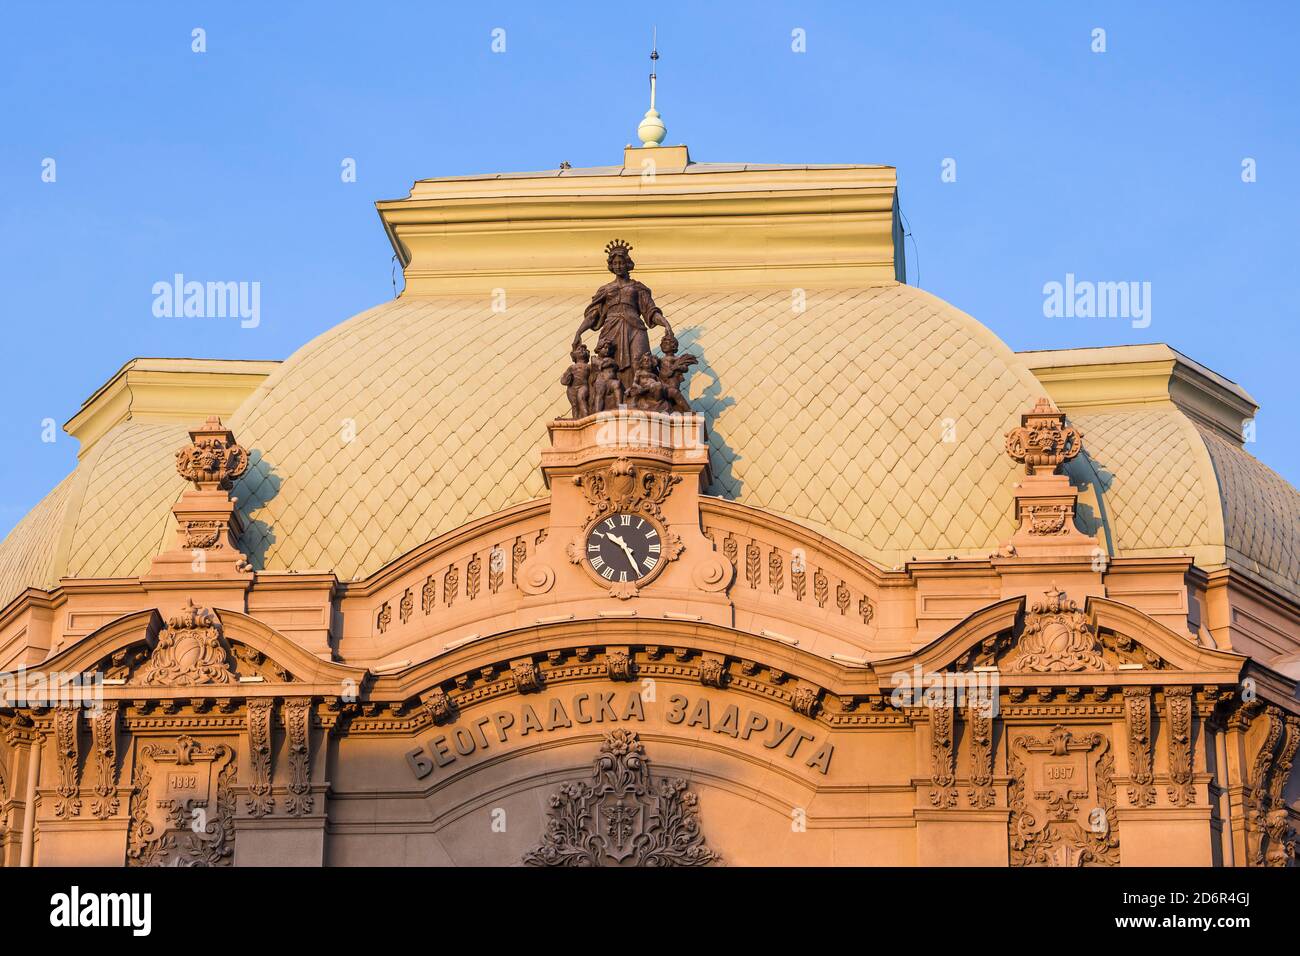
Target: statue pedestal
629	469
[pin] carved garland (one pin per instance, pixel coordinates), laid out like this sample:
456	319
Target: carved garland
980	723
259	801
942	758
67	750
103	730
1137	718
1178	708
297	724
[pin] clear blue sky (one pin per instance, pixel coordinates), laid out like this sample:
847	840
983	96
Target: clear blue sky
1124	165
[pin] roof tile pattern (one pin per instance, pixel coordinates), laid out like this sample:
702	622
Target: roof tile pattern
423	414
27	555
1147	467
125	517
1261	514
874	416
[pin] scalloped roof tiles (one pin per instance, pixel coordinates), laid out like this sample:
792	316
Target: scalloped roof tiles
835	417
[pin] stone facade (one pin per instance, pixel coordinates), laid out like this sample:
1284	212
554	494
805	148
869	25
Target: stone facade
747	689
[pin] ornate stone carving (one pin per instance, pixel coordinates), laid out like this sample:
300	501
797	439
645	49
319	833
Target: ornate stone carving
67	752
577	380
984	654
428	595
842	597
496	569
619	665
103	733
1178	710
623	817
1057	637
943	758
438	705
472	571
518	555
805	700
212	459
1271	833
450	585
186	817
527	675
626	487
1062	798
190	650
713	672
979	721
406	607
1129	651
1137	720
297	725
752	556
1043	442
820	587
259	800
866	610
775	572
1048	519
203	534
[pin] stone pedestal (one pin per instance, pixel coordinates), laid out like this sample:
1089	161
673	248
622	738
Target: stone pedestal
961	837
1166	836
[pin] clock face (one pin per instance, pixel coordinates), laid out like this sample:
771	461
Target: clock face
623	547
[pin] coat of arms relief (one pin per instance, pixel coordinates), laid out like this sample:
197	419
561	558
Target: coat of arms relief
623	817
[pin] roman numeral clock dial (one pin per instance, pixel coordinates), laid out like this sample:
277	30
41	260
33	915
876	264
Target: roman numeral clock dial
624	548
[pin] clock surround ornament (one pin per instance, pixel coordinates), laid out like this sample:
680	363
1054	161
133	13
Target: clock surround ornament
625	548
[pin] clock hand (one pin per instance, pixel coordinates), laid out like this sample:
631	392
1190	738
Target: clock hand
626	550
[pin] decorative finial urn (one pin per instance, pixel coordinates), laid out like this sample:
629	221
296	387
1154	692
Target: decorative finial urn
207	525
212	459
1043	442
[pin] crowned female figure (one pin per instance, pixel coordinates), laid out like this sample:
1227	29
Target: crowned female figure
622	311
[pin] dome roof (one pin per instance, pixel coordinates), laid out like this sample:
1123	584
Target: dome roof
835	417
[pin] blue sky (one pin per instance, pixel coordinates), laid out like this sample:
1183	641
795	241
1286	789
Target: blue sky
1117	166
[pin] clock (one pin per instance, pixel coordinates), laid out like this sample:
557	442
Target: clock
624	548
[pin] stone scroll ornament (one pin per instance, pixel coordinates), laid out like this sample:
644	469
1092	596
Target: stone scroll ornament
622	371
623	817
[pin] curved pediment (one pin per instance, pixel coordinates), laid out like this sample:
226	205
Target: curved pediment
196	647
1054	636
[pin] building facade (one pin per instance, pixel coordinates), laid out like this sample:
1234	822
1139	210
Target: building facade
744	552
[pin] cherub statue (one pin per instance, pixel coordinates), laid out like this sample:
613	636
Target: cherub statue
647	393
672	369
606	390
576	379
